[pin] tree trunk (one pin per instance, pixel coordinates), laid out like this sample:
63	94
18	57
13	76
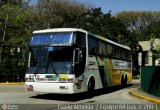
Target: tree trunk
3	38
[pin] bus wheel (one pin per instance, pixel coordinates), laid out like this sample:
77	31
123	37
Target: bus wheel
125	80
122	81
91	86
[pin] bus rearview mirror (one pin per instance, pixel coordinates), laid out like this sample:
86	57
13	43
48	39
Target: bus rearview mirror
78	56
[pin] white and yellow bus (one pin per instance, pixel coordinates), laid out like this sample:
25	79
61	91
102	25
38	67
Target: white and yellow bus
70	60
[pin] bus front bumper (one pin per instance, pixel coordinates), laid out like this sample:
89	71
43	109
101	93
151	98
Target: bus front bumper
60	88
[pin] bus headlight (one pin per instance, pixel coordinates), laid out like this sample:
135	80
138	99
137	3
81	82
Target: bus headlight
69	80
29	79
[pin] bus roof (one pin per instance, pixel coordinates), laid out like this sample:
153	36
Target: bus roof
59	30
81	30
110	41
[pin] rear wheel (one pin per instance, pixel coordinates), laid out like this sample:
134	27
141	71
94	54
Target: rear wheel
122	81
125	79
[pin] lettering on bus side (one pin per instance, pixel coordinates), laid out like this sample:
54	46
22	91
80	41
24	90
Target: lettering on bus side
117	74
117	64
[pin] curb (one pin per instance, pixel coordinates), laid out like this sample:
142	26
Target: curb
144	97
13	83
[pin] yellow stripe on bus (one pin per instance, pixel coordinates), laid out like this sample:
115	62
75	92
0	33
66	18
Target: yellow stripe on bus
63	76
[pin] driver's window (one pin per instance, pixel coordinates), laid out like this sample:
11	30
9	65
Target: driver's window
81	39
80	53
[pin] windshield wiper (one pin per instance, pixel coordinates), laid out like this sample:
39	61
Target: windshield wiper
54	69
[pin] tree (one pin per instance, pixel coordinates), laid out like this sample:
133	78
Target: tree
15	33
141	23
141	26
154	49
56	14
115	29
106	25
91	20
17	24
19	3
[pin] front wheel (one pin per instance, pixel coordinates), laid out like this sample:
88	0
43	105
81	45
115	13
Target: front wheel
91	86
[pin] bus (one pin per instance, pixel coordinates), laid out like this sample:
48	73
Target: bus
71	60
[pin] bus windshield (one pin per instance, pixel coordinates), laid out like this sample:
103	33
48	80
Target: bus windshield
51	60
54	39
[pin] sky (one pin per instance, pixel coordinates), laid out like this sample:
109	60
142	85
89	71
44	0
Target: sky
123	5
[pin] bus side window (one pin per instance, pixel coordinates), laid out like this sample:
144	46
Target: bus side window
92	46
101	49
109	49
128	55
122	52
80	39
118	52
115	52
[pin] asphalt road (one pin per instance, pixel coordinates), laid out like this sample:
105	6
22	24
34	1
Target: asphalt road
13	95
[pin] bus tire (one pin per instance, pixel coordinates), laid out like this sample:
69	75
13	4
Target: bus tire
91	87
125	79
122	81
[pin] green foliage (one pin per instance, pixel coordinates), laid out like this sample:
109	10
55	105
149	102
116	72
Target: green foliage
17	33
104	25
56	13
141	23
91	20
154	48
157	54
19	3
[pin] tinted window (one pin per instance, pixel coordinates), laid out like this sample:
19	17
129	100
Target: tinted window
92	46
80	39
52	38
102	50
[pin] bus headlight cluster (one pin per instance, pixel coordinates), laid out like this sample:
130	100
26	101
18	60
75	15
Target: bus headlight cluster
29	79
69	80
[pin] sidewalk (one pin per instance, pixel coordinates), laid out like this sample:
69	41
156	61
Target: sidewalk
145	96
13	83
